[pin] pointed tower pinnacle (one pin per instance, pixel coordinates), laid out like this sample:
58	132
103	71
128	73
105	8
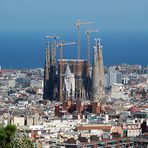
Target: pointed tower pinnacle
98	73
69	83
67	70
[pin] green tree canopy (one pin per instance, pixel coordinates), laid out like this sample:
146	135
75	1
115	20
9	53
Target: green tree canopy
8	138
6	135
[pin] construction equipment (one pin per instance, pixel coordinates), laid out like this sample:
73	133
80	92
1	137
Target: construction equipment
88	32
78	24
53	61
60	45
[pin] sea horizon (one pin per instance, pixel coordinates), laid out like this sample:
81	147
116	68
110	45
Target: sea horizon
21	50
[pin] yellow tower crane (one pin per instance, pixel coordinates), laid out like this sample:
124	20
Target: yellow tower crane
60	45
54	48
88	32
78	24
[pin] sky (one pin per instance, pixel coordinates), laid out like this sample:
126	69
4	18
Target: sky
30	15
34	19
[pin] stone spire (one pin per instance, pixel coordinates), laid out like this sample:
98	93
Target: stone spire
98	73
69	83
46	73
67	70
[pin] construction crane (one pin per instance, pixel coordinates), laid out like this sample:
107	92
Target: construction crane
88	32
78	24
60	45
54	48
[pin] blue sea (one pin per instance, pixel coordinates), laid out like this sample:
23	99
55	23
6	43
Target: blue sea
27	49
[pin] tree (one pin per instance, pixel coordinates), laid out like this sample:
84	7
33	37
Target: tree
6	135
8	138
22	143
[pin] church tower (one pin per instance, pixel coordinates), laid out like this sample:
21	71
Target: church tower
97	73
46	94
69	84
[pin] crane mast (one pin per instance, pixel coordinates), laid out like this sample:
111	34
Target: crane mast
78	24
60	45
88	32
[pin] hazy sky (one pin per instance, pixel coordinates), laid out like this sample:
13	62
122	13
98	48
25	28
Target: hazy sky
122	24
27	15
